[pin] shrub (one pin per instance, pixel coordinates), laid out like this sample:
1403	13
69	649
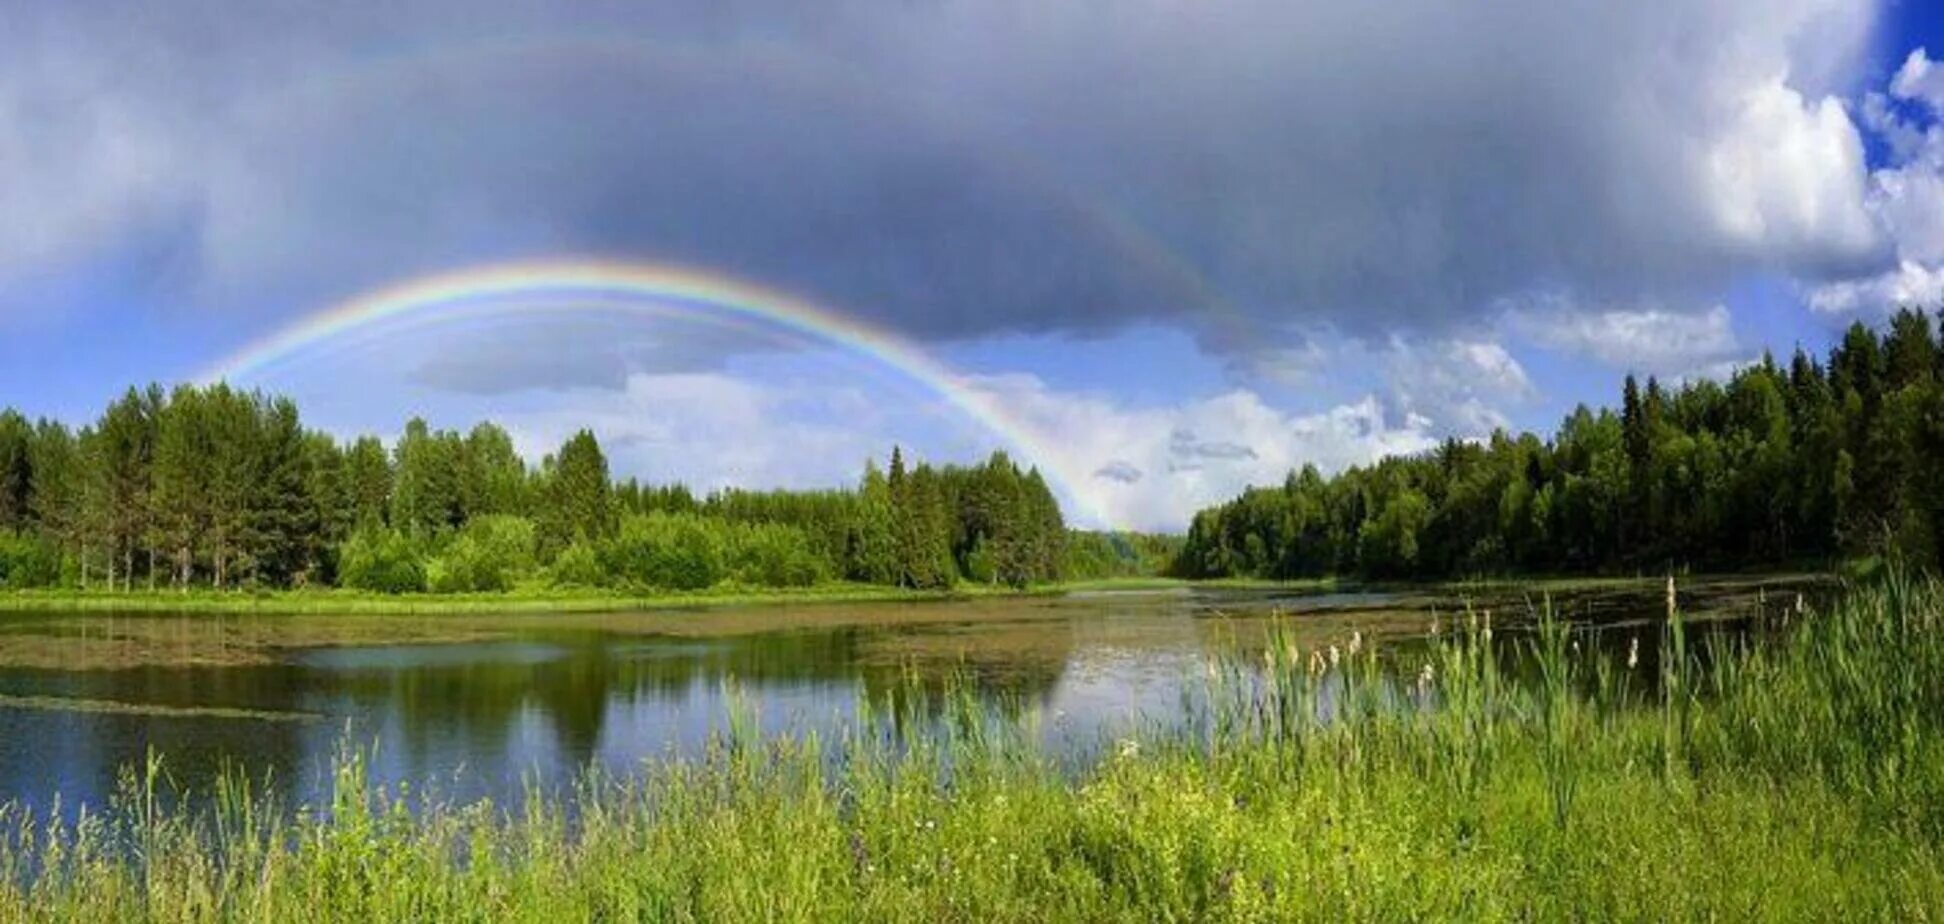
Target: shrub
490	553
669	551
28	561
773	555
577	565
383	561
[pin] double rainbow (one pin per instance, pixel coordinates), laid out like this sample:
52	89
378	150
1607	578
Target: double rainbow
565	285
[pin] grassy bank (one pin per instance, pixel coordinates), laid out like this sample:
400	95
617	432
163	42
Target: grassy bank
540	599
1799	780
529	600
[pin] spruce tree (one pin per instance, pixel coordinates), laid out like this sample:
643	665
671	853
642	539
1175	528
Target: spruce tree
579	505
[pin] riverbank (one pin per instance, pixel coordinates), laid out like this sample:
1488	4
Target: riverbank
351	602
1799	780
547	600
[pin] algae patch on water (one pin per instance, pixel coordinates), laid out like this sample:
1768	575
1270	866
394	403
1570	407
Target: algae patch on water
116	707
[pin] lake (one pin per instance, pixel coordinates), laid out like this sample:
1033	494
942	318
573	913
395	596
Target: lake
480	706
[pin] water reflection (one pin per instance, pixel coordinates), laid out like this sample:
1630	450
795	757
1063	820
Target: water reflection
513	701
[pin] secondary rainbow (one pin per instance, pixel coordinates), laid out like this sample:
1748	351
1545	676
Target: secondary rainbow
565	285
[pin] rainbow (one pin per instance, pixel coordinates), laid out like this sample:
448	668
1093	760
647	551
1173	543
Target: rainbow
567	285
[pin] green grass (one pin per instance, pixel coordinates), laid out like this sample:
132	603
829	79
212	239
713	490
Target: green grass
1802	779
522	600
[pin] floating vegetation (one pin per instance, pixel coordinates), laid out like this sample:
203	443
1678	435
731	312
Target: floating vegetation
116	707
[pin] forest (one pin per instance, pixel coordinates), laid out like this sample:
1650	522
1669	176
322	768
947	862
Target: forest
220	488
1823	460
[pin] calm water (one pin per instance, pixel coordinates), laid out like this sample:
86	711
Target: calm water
476	706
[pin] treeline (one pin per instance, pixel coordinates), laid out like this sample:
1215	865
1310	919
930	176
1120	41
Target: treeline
217	487
1778	466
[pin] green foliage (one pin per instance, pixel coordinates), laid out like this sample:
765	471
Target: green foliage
16	471
871	544
773	555
579	505
490	553
665	551
1775	466
1092	556
427	496
578	565
382	560
27	561
211	486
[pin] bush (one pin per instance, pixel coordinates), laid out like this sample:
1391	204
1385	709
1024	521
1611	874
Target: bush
28	561
577	565
773	555
383	561
490	553
668	551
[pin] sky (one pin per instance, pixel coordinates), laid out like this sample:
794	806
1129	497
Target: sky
1160	249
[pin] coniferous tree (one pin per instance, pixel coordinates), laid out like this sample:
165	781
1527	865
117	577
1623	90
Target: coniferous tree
578	502
16	471
871	552
368	482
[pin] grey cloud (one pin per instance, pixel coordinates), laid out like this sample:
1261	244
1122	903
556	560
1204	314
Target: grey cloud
954	169
544	352
1119	470
1183	444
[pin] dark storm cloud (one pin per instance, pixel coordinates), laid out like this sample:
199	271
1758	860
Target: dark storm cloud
953	169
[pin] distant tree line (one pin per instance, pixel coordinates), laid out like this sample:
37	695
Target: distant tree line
217	487
1780	465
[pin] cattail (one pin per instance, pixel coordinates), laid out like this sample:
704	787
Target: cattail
1335	656
1670	598
1633	653
1356	643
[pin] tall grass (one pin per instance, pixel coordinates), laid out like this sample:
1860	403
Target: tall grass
1798	778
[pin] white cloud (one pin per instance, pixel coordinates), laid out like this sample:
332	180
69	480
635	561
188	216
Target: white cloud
1651	340
1906	197
1193	454
1910	284
1920	79
1457	387
1786	175
712	430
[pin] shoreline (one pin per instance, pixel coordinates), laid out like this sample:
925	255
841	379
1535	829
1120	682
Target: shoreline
342	602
